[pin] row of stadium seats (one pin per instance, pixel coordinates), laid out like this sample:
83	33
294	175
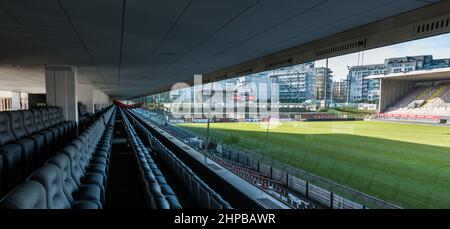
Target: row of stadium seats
159	194
75	177
27	139
200	193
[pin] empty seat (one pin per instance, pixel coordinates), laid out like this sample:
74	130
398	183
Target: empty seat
19	131
73	191
14	155
63	163
40	138
78	173
158	193
74	178
49	135
71	124
50	177
96	178
57	132
58	117
29	195
27	144
201	194
54	122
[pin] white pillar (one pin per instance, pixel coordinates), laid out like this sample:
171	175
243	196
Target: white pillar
15	96
61	89
86	96
101	99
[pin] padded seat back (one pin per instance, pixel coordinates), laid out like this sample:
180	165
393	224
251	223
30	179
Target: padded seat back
74	156
28	122
45	117
60	114
6	135
84	137
13	166
50	177
29	195
17	128
84	159
37	118
63	162
52	115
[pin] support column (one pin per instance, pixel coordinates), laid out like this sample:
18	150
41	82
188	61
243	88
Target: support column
101	100
15	98
86	96
60	86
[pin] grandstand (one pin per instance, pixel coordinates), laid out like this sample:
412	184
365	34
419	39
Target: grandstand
78	79
418	96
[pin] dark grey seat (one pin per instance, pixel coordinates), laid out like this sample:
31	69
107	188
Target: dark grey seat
20	133
57	133
78	175
27	144
70	124
29	195
50	177
12	167
33	132
49	135
74	192
54	122
74	178
13	154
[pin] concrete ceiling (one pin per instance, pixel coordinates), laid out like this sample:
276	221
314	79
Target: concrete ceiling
130	47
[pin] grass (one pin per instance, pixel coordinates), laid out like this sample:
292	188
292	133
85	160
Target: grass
406	164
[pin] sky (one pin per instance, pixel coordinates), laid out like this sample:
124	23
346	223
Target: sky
438	46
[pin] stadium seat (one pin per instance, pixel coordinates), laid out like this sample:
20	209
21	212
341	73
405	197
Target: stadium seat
71	189
50	136
158	192
71	124
12	167
50	177
15	154
200	193
40	138
29	195
57	132
76	177
27	144
19	131
54	122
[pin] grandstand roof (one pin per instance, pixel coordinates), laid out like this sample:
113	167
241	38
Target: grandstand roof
421	75
135	48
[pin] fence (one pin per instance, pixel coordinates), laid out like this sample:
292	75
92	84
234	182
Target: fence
319	189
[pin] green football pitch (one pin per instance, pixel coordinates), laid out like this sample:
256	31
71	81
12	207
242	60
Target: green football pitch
406	164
